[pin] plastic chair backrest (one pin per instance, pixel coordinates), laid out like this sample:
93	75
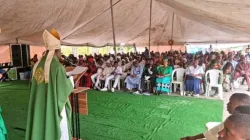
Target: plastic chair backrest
215	77
179	74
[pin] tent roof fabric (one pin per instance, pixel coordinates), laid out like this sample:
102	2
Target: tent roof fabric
83	22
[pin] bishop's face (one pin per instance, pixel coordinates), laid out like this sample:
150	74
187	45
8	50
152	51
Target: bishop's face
58	54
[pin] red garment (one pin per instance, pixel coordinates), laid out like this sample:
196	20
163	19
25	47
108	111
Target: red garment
91	60
86	79
243	70
80	62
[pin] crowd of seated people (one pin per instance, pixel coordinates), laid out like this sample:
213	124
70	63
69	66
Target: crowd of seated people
136	70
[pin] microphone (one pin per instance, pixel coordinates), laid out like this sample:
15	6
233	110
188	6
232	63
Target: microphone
68	60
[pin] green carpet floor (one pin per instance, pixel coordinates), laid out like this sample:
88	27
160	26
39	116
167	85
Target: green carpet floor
118	116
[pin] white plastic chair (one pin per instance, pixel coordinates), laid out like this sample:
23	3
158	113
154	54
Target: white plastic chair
112	81
215	80
122	79
179	79
211	125
237	82
148	84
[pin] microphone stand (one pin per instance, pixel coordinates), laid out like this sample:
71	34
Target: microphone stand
69	61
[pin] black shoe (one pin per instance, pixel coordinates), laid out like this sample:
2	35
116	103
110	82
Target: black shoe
203	93
248	89
159	92
226	90
215	95
188	93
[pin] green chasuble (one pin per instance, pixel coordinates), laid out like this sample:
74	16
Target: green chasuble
47	101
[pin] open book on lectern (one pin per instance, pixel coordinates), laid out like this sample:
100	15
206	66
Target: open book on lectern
77	70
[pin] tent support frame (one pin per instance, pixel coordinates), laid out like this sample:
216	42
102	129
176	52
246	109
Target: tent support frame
172	32
113	26
150	22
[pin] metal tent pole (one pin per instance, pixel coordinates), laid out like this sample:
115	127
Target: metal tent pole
172	33
150	22
113	27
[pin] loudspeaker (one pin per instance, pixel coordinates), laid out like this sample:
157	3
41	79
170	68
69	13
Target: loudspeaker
26	55
20	55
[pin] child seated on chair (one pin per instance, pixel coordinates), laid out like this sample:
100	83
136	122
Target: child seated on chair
227	77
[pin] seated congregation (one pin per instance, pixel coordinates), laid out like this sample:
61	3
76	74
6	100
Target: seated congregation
163	73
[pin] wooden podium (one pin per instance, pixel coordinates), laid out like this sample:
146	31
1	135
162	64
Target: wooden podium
79	105
78	99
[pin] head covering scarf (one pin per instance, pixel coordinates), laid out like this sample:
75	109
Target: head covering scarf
91	60
108	61
165	60
52	43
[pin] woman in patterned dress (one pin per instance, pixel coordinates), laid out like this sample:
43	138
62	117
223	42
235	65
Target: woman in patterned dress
163	80
3	130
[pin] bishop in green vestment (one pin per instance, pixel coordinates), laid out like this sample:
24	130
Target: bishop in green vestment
49	112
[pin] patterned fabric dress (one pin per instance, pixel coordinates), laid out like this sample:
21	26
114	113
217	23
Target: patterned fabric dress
3	131
164	83
227	82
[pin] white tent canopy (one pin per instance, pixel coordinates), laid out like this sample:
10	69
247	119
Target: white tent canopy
89	21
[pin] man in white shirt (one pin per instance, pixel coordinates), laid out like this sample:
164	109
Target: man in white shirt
100	65
236	100
210	49
104	74
194	75
116	74
124	69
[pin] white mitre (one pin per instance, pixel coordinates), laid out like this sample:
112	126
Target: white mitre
52	43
